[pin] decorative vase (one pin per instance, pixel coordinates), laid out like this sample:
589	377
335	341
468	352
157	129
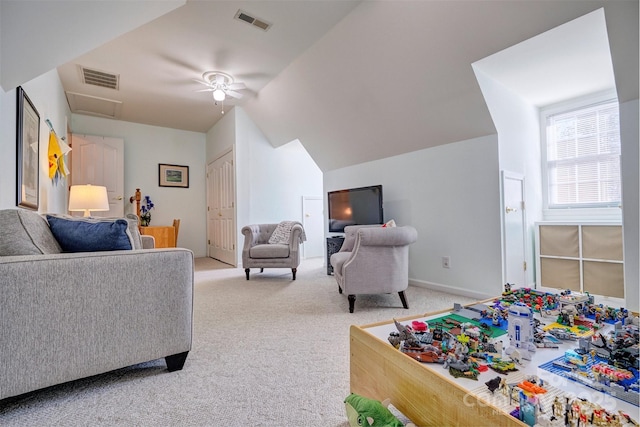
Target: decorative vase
145	219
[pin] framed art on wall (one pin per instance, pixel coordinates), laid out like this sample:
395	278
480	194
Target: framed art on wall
173	176
27	149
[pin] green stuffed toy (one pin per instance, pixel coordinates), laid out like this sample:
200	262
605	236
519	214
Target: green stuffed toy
364	412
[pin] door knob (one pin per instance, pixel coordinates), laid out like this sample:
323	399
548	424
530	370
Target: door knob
509	209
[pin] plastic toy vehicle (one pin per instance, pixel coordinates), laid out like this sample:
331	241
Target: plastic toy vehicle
503	366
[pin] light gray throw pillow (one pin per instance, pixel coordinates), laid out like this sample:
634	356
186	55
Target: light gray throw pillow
25	233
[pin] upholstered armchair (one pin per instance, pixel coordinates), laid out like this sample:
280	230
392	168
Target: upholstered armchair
373	260
272	246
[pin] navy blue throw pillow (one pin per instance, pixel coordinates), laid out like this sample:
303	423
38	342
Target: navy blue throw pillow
76	235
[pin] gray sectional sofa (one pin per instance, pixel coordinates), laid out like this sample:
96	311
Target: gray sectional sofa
65	316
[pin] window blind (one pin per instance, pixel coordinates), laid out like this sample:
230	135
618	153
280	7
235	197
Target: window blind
583	157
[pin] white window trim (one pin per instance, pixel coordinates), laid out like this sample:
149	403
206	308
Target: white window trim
613	214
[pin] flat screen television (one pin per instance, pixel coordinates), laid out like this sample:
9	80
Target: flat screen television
355	206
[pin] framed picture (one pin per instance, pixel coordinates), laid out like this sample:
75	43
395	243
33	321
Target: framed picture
173	176
28	142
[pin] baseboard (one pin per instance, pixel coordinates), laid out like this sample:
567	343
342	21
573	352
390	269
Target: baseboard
449	289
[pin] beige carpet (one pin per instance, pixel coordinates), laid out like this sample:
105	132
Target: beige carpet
266	352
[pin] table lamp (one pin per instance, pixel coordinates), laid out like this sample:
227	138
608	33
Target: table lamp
87	198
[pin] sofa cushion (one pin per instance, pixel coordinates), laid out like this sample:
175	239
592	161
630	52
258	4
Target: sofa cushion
76	234
269	251
25	233
134	230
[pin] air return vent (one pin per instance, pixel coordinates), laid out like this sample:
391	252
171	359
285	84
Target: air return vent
256	22
99	78
93	105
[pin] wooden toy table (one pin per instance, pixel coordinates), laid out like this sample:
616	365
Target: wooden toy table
429	396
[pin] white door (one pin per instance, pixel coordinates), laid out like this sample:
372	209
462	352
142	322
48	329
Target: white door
99	160
513	223
313	223
221	214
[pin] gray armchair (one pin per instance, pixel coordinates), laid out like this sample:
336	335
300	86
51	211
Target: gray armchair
373	260
259	253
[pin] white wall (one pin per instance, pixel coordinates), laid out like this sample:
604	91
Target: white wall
450	194
270	182
144	148
48	97
518	126
630	201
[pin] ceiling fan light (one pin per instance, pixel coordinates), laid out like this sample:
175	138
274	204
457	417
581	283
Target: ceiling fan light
218	95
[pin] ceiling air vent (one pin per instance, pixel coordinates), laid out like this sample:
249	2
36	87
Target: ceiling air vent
94	105
256	22
100	78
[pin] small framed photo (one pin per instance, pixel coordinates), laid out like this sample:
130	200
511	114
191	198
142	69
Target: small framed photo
173	176
28	142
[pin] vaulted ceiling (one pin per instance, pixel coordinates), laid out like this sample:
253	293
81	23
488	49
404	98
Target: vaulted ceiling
353	81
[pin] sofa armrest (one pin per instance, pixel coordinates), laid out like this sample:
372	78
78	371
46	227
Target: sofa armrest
395	236
148	242
71	315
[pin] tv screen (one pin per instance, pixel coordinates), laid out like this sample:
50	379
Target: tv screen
355	206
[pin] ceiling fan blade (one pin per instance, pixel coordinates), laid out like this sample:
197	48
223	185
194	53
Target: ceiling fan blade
233	94
202	82
237	86
205	90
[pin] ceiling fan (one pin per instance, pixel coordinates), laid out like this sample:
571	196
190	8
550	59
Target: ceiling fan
221	84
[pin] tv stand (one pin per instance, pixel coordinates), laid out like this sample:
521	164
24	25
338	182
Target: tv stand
334	244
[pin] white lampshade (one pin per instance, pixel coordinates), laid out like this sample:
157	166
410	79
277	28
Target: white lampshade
219	95
87	198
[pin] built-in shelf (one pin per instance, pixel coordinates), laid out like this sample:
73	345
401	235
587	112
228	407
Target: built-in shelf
585	257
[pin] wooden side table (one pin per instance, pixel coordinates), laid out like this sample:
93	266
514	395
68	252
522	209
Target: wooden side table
165	236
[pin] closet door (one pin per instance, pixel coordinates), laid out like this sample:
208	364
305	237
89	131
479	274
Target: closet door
221	211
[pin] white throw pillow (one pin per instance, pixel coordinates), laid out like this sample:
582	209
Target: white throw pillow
282	233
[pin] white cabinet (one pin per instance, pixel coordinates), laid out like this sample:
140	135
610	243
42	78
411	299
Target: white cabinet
584	257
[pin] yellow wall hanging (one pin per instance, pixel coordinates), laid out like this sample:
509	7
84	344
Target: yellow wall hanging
56	152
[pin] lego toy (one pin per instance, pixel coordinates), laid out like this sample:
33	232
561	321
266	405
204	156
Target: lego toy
365	412
494	384
503	366
599	354
520	330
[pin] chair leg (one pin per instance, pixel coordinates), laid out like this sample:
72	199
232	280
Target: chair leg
261	270
339	289
403	298
352	302
294	271
246	271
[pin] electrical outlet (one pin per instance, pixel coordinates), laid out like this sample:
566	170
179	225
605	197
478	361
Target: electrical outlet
446	262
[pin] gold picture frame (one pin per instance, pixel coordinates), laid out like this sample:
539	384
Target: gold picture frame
173	175
28	152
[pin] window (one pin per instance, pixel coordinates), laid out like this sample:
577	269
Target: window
583	157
